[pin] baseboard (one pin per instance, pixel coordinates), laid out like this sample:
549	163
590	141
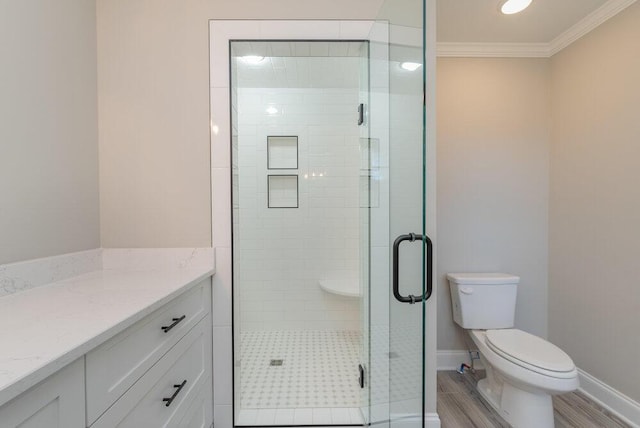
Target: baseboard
432	420
616	402
452	359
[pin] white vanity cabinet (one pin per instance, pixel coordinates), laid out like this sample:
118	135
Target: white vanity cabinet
163	395
57	402
114	366
148	374
155	373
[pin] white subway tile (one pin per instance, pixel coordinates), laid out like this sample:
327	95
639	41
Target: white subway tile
322	416
265	417
221	310
307	243
223	415
221	200
222	366
284	417
303	417
340	416
247	417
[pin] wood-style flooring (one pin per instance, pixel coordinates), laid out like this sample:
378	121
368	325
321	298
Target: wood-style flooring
461	406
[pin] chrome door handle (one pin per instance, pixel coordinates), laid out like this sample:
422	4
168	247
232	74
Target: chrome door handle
412	237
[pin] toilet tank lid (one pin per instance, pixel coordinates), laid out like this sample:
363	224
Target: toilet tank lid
483	278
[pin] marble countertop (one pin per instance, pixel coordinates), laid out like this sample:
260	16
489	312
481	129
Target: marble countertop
45	328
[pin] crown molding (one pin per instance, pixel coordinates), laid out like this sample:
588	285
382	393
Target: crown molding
493	50
588	23
535	50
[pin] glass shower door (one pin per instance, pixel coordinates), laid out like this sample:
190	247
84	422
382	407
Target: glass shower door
400	252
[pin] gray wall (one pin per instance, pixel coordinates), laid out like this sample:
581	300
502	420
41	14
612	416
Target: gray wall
493	167
48	131
508	130
594	298
153	63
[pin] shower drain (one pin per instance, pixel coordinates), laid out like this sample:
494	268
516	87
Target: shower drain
276	362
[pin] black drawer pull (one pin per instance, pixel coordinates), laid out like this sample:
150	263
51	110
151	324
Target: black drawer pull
176	321
175	394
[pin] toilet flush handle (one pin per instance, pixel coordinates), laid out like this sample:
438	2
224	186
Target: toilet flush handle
466	290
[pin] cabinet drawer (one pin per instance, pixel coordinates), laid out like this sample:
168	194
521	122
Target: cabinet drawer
145	405
200	413
58	401
113	367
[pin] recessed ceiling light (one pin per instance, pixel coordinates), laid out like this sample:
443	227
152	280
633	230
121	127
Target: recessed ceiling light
271	110
410	66
509	7
252	59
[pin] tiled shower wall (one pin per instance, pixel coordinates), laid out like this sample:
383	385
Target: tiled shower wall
282	252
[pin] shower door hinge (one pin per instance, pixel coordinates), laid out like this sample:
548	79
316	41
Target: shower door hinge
361	375
360	114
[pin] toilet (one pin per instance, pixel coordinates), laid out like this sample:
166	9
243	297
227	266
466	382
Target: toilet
523	371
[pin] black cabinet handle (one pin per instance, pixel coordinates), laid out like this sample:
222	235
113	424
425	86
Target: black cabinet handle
176	321
175	394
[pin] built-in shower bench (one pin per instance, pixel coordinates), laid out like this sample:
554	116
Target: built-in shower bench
341	287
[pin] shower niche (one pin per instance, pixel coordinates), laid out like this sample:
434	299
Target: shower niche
282	152
282	191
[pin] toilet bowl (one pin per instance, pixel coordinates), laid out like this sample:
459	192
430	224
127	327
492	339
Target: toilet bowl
523	371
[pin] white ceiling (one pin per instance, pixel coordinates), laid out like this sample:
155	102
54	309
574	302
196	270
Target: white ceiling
470	21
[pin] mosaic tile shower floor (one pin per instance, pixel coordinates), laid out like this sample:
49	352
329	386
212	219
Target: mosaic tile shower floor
319	369
317	382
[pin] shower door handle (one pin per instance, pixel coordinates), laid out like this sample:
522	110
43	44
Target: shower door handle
412	237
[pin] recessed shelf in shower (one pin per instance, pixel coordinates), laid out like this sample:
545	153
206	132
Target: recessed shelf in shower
282	152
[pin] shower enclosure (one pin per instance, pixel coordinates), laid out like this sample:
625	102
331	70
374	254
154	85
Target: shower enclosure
301	199
331	262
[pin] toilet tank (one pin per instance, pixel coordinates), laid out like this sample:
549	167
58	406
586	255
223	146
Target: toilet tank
483	300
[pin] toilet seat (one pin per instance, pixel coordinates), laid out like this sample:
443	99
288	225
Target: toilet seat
531	352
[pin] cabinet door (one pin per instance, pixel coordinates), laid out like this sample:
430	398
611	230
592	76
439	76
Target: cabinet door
57	402
200	413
